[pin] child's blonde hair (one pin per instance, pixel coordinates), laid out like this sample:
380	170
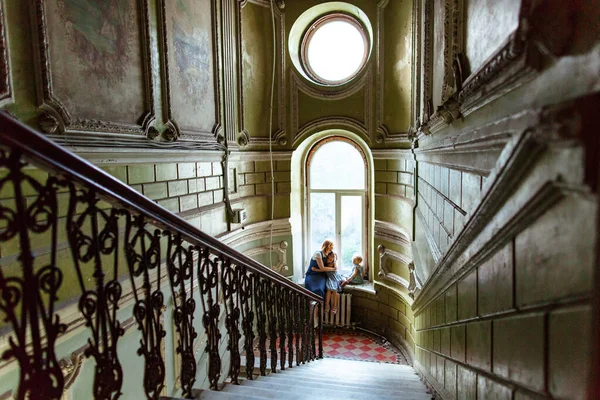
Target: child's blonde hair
356	259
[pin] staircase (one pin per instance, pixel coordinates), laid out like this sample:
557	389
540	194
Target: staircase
329	379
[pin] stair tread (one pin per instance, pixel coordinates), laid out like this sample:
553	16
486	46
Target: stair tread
213	395
359	383
317	394
281	384
345	374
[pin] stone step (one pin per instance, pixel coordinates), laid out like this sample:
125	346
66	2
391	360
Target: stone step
308	393
371	366
292	385
363	384
348	374
214	395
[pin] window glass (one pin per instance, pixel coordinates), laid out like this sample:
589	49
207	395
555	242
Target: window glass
337	165
336	50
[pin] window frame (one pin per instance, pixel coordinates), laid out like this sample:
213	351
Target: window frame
339	193
314	27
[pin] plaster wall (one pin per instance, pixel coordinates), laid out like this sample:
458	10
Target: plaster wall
508	268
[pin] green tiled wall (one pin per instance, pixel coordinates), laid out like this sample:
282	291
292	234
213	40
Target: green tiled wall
496	320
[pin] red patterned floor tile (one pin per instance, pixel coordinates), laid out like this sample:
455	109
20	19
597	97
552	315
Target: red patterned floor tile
348	345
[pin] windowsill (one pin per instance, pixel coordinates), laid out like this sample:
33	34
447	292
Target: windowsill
366	287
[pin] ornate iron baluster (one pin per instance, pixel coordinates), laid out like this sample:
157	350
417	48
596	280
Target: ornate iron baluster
289	309
246	297
34	292
305	331
271	299
308	329
297	326
281	295
143	256
261	320
180	267
230	280
99	307
303	327
208	278
320	309
311	327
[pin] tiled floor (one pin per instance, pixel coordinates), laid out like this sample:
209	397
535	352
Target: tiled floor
356	345
352	345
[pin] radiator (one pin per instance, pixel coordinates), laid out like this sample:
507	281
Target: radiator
342	317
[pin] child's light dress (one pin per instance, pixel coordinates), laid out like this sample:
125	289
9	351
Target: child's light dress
334	279
358	278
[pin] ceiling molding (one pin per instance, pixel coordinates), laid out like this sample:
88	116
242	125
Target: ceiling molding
386	154
259	156
110	156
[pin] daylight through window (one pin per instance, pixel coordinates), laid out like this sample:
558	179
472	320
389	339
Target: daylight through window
335	49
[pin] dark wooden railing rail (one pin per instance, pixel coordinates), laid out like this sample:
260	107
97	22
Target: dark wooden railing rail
108	222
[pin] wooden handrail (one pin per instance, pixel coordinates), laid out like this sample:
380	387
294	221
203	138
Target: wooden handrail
49	156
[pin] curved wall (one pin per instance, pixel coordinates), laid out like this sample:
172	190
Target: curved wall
386	313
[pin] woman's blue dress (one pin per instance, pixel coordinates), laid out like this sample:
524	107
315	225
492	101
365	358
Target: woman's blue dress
315	281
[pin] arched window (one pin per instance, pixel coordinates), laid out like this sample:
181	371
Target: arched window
337	193
335	48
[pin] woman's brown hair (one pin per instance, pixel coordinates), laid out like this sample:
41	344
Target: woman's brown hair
326	245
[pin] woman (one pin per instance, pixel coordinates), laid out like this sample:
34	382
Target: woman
316	276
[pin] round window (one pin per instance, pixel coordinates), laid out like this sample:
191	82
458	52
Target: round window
335	48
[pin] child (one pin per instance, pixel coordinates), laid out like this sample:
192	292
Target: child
333	284
357	272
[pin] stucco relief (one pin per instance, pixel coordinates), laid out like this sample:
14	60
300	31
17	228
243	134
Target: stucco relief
472	82
249	74
279	250
5	78
362	86
386	257
190	55
396	72
108	49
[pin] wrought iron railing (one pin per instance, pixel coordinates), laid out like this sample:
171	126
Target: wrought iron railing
118	238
